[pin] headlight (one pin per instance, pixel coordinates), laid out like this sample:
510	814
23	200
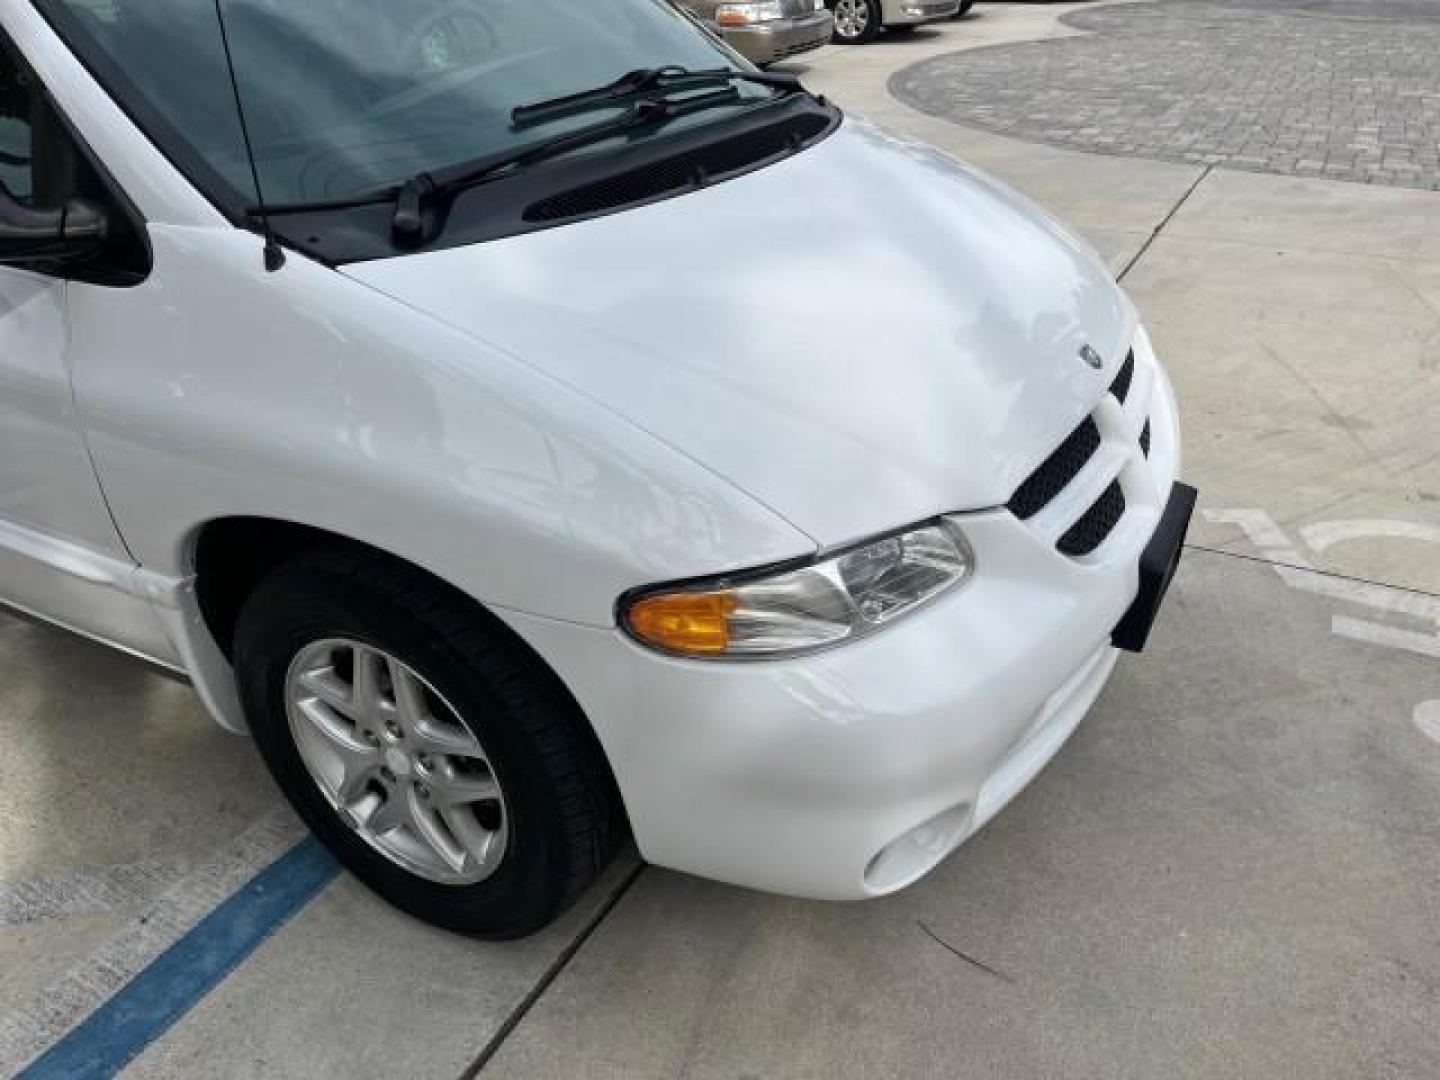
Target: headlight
747	13
795	610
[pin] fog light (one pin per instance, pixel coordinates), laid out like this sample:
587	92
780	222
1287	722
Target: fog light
915	854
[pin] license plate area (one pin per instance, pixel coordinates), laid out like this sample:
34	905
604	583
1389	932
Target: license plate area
1158	564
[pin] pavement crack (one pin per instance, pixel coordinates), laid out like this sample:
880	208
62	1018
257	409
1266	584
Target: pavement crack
551	973
1155	234
1312	570
978	964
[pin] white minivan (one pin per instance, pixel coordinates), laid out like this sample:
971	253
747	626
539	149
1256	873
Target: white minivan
535	426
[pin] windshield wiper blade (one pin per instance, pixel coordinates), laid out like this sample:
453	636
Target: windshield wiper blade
411	198
631	84
642	81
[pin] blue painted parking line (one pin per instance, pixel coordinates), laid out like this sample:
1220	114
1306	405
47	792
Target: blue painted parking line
181	977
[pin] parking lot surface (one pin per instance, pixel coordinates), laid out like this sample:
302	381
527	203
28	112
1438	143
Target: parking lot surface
1233	869
1227	873
1347	89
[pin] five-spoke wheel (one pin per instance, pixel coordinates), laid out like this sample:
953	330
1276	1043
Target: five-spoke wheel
426	745
393	758
856	21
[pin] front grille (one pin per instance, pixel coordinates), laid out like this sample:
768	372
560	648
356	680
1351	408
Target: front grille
1057	471
1074	455
1132	388
1097	523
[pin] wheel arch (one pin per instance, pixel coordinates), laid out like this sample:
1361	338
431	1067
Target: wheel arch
228	557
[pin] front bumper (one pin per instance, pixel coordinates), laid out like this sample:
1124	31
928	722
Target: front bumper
768	43
853	772
912	12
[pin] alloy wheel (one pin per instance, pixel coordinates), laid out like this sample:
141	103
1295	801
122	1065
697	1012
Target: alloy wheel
394	760
852	17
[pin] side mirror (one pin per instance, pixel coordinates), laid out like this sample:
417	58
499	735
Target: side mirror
43	238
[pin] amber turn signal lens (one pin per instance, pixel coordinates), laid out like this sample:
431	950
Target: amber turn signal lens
695	623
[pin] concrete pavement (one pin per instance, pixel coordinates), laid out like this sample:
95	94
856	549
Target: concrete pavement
1232	870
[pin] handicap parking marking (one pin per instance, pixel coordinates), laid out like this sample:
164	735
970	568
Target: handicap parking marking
1262	531
1385	598
1327	534
1298	572
168	988
174	929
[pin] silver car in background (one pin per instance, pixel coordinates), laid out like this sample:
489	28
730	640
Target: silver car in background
767	31
858	21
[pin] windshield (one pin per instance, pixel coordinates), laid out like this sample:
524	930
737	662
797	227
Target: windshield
344	96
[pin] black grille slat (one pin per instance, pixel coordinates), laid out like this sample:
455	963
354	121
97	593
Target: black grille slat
1121	386
1068	461
1095	527
1057	472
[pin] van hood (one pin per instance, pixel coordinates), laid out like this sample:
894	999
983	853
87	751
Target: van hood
861	336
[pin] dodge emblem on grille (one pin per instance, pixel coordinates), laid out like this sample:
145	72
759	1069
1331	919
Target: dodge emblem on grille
1091	357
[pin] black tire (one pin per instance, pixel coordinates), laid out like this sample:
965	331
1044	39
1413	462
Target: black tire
565	818
865	35
965	6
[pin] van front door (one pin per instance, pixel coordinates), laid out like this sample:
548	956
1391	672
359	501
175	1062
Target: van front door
60	555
